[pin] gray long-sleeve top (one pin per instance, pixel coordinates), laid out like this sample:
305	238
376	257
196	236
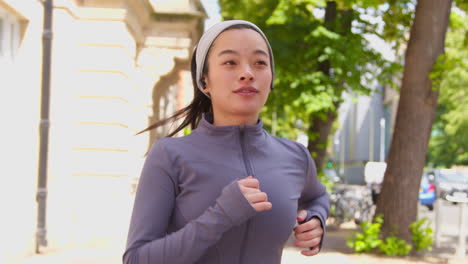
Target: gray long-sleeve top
189	207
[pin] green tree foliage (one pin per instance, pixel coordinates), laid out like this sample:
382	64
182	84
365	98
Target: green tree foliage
316	59
398	16
394	246
449	140
421	234
369	238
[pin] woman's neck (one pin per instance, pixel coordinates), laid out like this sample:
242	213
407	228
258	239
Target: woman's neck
234	120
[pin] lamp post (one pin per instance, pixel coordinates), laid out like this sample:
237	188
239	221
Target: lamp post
342	156
41	195
382	139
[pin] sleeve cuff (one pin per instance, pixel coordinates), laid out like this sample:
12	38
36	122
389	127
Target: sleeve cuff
234	204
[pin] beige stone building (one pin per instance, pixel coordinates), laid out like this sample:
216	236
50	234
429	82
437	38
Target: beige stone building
117	65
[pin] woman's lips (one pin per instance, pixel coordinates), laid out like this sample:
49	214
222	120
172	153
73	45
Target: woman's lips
246	91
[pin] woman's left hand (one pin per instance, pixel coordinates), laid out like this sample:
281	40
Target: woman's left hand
308	234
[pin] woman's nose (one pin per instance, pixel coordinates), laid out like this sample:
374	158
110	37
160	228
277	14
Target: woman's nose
246	74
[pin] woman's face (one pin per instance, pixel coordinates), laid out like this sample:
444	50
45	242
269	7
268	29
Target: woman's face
239	73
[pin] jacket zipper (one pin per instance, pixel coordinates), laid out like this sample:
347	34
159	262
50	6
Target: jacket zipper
248	168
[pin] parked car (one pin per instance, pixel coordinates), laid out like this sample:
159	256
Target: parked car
451	184
427	191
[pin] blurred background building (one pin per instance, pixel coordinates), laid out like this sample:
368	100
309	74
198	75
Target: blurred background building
117	66
365	123
365	128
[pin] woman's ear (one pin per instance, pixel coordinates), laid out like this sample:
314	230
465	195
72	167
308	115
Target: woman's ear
205	87
203	82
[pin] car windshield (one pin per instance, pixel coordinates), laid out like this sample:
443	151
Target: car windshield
453	176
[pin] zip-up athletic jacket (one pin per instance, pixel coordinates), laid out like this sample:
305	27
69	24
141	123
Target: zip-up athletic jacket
189	207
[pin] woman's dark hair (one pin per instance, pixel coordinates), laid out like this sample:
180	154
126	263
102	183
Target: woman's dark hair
200	103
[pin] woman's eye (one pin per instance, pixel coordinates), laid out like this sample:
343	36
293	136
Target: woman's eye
230	63
261	62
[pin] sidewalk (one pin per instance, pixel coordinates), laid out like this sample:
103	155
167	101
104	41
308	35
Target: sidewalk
334	251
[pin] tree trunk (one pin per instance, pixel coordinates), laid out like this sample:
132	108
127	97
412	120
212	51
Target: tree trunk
319	131
321	123
416	110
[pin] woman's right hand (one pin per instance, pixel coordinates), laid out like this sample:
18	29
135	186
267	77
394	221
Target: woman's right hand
250	188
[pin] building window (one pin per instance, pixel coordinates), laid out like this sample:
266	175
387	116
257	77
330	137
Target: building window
9	35
2	37
14	40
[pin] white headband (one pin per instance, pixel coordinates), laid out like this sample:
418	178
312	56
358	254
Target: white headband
207	40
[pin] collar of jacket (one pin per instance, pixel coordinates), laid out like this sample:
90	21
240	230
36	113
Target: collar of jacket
252	135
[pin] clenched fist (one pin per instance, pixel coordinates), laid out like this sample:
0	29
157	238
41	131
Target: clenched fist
308	234
250	188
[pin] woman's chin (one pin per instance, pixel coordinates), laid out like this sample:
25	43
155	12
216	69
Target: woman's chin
247	110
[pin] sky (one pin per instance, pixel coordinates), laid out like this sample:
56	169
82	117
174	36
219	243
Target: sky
212	8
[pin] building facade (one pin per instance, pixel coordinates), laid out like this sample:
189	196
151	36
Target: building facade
364	133
117	66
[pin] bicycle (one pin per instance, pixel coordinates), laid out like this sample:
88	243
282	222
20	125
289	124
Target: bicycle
344	207
350	204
